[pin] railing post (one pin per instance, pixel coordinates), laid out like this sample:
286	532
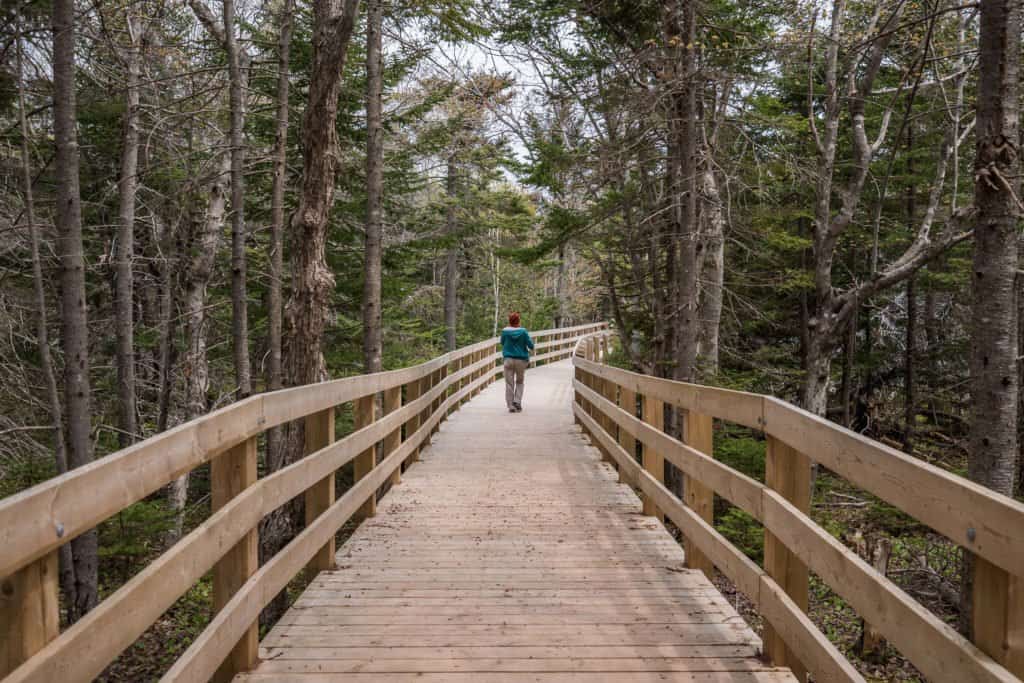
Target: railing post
29	612
577	397
610	390
654	462
997	614
320	433
412	392
230	474
392	402
425	384
698	433
627	401
788	472
438	378
365	415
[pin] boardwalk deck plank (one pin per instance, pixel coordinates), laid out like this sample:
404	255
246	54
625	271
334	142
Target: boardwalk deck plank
509	554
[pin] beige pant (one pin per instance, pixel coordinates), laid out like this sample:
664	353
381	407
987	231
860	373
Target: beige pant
515	374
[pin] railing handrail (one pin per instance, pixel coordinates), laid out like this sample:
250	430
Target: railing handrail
35	521
996	531
86	496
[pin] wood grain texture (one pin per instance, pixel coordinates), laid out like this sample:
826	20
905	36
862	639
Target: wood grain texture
698	433
29	616
230	474
319	433
511	552
788	472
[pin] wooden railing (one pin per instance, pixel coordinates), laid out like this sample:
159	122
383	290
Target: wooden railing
617	409
36	522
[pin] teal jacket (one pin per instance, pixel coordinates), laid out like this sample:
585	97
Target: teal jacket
516	343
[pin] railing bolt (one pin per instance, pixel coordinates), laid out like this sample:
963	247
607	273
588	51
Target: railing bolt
60	530
971	534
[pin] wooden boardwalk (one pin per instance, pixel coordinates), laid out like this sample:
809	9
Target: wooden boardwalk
511	553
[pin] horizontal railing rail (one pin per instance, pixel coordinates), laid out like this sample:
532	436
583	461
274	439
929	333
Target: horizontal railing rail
36	522
987	524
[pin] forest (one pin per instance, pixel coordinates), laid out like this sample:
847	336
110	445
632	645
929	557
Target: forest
818	200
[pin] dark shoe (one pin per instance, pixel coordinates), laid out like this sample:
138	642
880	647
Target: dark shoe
513	410
518	407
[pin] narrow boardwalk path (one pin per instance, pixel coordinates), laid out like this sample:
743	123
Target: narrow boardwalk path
511	553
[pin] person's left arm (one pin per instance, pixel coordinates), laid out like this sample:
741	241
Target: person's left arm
529	341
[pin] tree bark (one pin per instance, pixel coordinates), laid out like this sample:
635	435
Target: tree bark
124	323
312	280
167	296
712	270
909	397
451	273
280	182
849	351
993	349
993	447
909	394
372	314
680	29
74	316
201	252
239	303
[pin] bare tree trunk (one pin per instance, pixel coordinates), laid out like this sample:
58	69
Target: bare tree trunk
168	302
994	343
74	317
67	567
312	279
909	397
201	253
712	270
814	392
280	182
372	315
909	394
124	322
239	303
451	273
846	387
681	23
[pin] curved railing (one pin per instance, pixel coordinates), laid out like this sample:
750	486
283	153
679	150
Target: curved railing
620	409
37	521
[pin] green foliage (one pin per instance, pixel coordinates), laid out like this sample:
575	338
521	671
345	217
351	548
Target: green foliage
742	531
741	450
133	536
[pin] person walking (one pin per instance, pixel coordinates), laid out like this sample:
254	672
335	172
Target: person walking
516	345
